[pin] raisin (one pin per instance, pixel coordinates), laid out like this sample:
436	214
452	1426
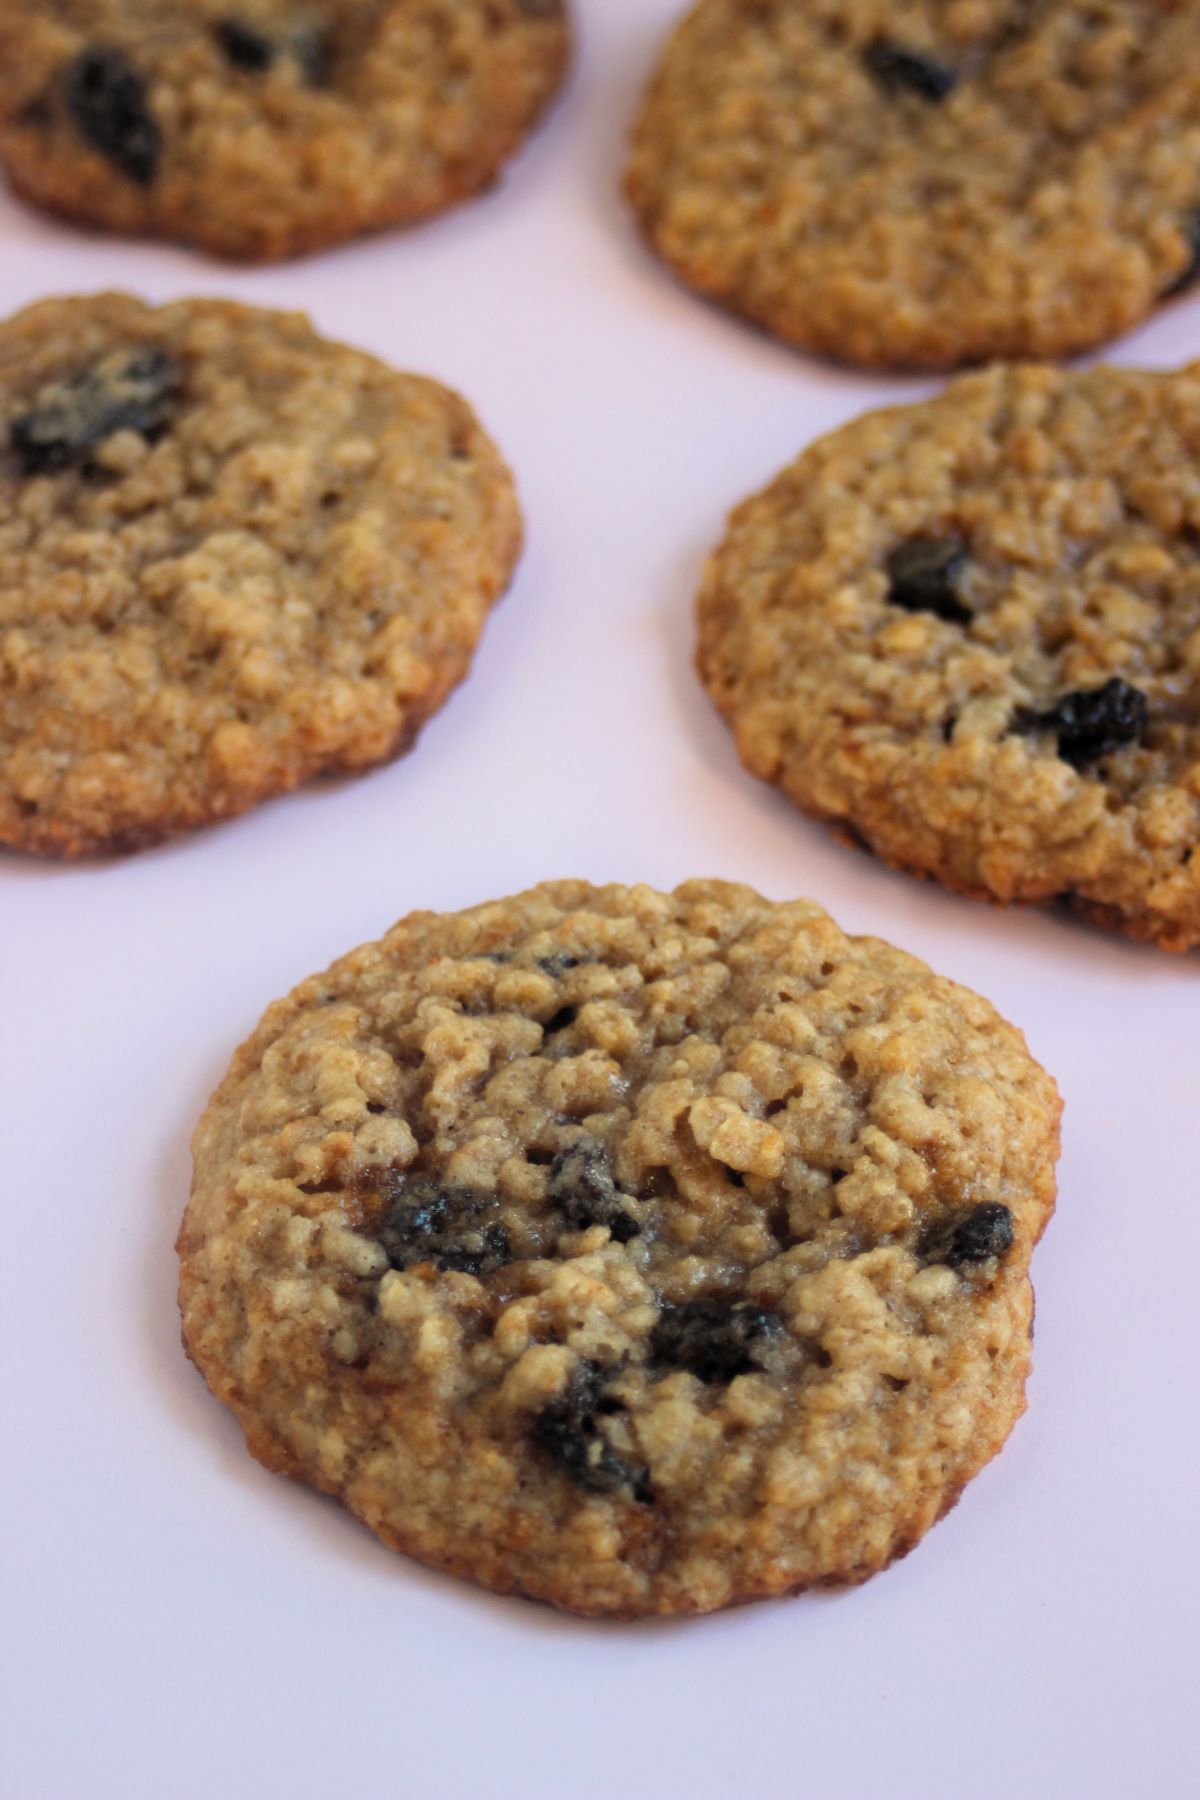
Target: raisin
557	965
567	1431
250	49
710	1338
1091	722
972	1237
908	71
925	574
1189	231
127	390
584	1190
245	47
451	1227
109	102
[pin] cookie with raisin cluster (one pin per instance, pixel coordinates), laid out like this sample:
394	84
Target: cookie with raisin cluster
638	1252
258	129
928	183
233	555
967	633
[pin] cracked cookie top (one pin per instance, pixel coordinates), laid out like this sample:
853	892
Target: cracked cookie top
923	183
261	128
232	556
969	632
637	1252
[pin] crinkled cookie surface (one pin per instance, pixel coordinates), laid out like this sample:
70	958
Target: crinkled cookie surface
968	631
641	1253
922	183
232	556
261	128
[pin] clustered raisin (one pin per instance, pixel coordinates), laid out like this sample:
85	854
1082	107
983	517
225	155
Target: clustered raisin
452	1227
568	1431
557	965
109	103
909	71
1091	722
245	47
584	1189
250	49
127	390
925	574
711	1338
971	1237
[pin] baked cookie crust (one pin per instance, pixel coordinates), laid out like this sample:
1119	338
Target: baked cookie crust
927	183
233	555
637	1252
967	633
265	129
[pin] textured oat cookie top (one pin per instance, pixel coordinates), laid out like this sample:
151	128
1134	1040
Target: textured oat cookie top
259	128
970	631
927	182
232	555
637	1252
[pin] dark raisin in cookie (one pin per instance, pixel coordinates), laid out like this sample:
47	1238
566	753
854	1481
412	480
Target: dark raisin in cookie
109	106
719	1294
968	634
932	184
270	127
126	390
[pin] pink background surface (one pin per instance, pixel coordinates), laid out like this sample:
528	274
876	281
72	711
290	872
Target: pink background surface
191	1626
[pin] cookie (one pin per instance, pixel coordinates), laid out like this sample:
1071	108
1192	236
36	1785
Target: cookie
637	1252
925	183
232	556
967	633
262	128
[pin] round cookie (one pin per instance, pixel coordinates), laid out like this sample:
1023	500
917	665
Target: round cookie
923	183
967	633
262	128
232	556
641	1253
